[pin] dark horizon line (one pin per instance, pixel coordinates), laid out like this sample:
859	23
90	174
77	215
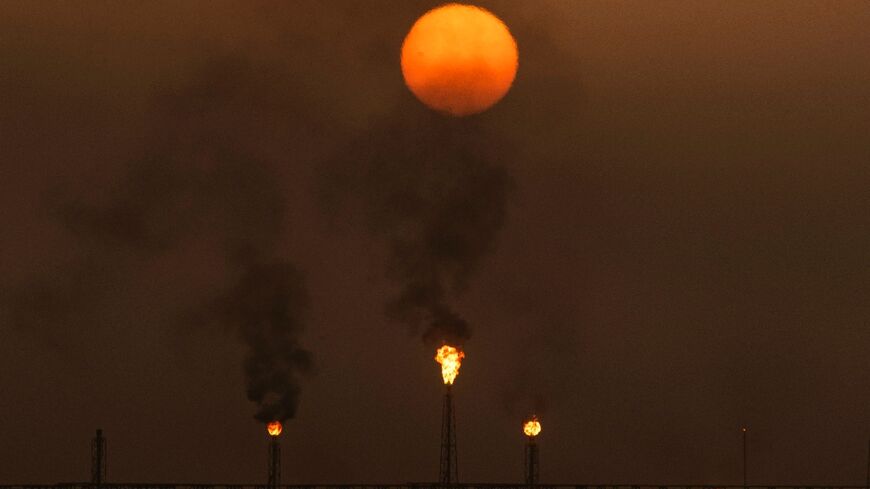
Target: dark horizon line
418	485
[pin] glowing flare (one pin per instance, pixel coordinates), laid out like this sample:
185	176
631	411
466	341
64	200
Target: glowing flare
450	359
274	428
532	427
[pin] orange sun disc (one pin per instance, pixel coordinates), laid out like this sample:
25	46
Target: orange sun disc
459	59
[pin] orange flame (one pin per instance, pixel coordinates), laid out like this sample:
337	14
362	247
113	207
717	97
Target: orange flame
532	427
274	428
450	359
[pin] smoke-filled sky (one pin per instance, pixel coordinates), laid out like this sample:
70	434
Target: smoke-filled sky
213	212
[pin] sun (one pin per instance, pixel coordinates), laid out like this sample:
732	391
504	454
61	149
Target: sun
459	59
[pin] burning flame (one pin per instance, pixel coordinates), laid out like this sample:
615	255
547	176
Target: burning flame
450	359
532	427
274	428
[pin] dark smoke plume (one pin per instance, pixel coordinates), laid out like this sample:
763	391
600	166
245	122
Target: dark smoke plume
435	189
200	184
268	304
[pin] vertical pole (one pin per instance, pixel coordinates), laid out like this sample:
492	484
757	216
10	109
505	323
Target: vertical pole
867	481
744	429
274	462
531	462
451	448
448	470
98	459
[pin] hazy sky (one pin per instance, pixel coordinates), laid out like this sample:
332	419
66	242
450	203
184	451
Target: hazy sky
663	234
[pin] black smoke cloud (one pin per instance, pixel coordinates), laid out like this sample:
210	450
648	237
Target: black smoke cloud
436	190
199	182
269	304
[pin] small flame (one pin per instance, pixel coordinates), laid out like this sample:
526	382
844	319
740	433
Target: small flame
532	427
450	359
274	428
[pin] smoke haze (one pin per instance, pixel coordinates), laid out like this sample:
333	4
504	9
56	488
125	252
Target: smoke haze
657	237
435	189
196	182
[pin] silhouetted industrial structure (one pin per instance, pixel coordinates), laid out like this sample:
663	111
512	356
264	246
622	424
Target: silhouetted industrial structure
98	459
531	462
449	471
274	462
98	472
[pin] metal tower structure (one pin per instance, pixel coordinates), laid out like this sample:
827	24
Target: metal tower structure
98	459
744	430
531	462
448	472
274	462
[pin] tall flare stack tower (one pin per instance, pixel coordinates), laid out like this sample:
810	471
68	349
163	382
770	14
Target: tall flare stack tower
448	470
450	359
274	429
532	428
